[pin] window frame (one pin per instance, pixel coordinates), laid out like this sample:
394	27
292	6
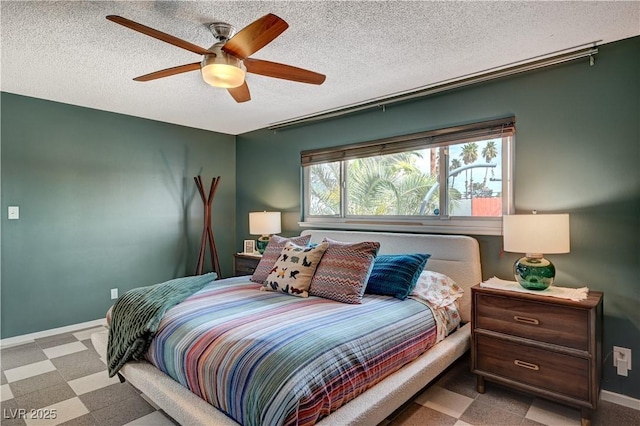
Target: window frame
438	138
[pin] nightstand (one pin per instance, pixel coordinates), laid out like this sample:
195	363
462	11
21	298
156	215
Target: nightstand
245	264
542	345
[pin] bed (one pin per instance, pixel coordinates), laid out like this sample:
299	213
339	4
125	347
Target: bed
455	256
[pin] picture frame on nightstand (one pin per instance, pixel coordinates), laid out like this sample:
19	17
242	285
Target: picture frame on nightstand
249	246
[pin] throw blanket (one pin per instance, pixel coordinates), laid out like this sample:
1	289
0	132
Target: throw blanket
136	315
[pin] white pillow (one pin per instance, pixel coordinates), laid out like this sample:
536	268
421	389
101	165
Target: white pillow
440	293
437	289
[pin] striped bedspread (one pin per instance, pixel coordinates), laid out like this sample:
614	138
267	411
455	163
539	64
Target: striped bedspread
266	358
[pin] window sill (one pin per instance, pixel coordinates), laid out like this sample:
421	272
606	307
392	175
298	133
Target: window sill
465	226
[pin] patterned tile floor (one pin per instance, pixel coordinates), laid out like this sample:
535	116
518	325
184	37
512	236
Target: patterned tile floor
453	400
64	375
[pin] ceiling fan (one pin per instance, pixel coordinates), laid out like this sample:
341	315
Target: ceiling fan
224	64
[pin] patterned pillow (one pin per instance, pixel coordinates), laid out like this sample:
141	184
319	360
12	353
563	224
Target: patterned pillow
437	289
343	271
441	293
271	254
294	269
396	274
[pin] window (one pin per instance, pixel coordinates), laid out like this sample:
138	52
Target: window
396	183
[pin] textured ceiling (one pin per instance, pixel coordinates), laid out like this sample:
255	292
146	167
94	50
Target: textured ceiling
68	52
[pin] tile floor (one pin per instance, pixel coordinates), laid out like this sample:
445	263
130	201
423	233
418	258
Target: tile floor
64	375
453	400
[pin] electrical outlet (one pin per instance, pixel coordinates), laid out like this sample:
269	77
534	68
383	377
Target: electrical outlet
114	293
622	360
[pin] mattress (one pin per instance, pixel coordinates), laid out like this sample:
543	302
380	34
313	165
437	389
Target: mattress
268	358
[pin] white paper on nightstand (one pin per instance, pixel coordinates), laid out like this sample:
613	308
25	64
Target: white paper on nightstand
256	255
576	294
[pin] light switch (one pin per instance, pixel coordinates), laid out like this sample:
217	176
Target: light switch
14	212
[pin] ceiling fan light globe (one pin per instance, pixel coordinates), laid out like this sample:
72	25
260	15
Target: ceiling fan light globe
223	71
222	75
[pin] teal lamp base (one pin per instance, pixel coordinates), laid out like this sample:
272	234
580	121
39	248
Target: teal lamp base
262	242
534	272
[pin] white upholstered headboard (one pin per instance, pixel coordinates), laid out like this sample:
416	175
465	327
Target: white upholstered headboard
454	255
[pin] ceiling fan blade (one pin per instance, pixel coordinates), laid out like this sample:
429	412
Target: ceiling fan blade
169	72
167	38
255	36
285	72
240	93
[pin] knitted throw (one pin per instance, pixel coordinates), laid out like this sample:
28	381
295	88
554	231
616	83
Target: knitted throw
136	315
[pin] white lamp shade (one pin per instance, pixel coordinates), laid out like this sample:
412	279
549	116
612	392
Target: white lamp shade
536	233
264	223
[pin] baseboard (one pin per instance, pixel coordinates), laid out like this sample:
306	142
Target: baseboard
26	338
620	399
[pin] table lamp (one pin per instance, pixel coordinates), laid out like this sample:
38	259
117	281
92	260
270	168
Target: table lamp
264	224
535	234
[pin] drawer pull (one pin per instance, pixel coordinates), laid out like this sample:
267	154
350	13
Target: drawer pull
528	365
526	320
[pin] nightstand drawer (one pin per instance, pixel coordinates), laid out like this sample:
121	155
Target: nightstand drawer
244	264
560	373
244	270
545	322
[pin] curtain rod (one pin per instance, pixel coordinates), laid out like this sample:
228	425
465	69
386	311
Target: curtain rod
466	80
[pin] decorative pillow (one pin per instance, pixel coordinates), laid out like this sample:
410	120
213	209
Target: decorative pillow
343	271
437	289
396	274
294	269
271	254
441	293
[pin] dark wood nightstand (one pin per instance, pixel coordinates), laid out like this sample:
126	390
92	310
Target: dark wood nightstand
245	264
542	345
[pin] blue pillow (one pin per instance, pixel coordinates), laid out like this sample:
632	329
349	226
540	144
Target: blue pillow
396	274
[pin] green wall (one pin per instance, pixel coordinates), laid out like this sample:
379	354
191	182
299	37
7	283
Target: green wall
106	200
577	151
